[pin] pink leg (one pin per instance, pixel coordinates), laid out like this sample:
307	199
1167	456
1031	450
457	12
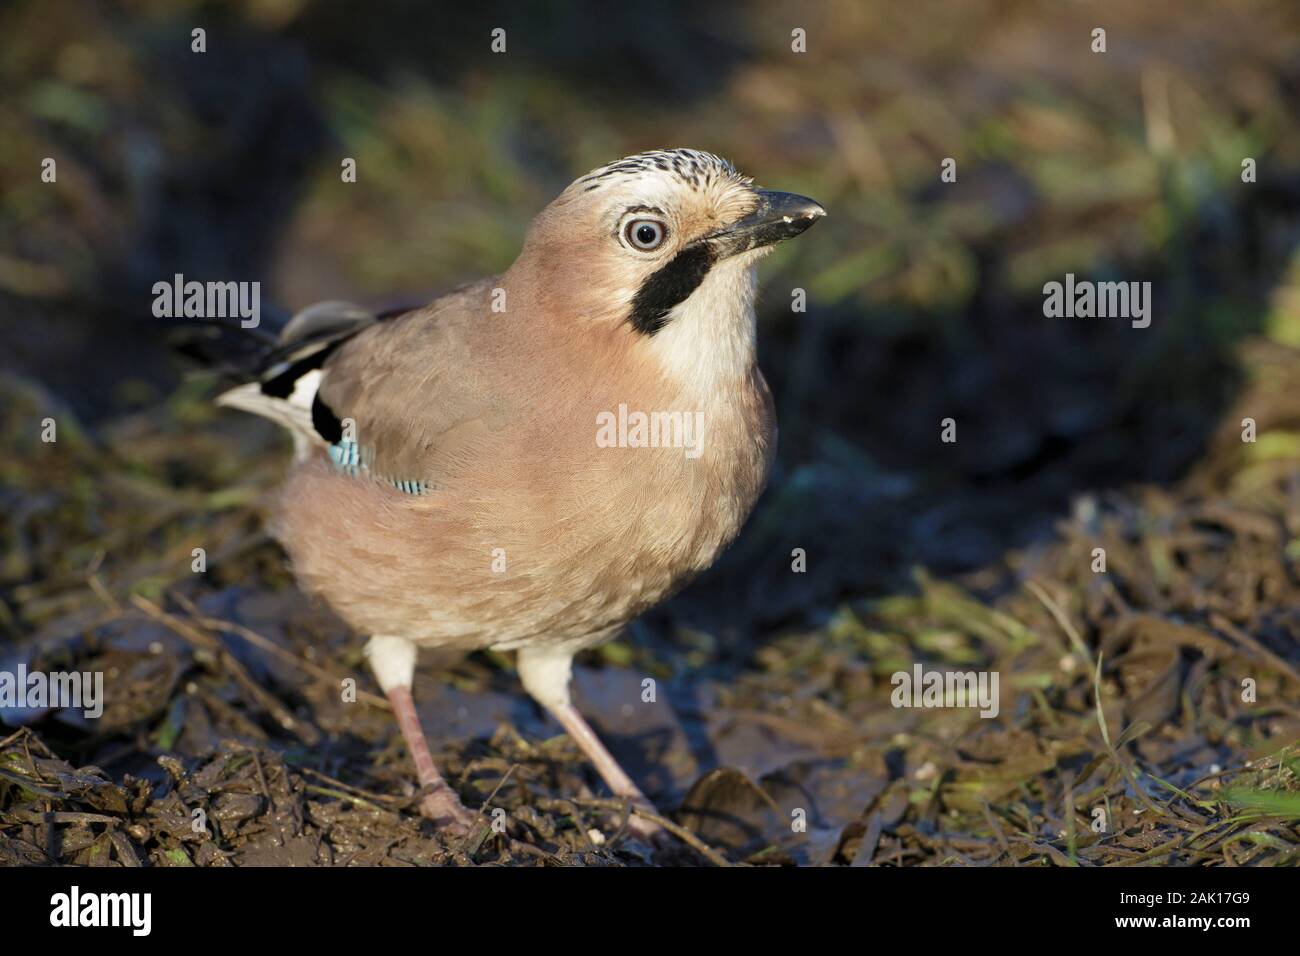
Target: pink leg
393	661
440	804
545	673
613	775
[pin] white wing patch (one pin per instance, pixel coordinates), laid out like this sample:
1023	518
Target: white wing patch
293	413
304	391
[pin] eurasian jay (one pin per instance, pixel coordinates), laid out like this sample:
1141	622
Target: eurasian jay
459	481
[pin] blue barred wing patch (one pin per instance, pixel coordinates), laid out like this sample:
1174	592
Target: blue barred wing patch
346	456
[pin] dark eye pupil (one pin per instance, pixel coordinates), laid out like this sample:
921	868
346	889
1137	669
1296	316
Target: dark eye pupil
646	234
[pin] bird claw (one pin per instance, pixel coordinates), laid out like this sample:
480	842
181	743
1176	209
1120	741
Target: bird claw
447	813
648	831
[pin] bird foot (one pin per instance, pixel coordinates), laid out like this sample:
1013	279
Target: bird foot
447	813
647	831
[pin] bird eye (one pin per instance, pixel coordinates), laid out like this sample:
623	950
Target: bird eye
645	234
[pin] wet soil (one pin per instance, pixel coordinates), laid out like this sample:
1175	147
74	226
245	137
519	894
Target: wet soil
241	727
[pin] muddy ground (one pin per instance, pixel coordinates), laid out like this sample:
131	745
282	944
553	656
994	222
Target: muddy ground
1122	696
1150	711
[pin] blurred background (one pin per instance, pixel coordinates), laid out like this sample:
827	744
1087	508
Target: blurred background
924	303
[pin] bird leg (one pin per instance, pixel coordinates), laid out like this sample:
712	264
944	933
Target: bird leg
545	673
393	661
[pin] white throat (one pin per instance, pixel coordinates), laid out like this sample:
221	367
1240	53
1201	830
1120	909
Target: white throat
708	342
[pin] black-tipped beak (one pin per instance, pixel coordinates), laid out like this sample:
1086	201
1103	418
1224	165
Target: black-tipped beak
777	217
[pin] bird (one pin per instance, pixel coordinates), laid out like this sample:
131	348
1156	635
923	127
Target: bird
532	460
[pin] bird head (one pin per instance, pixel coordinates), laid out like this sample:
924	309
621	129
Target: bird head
638	242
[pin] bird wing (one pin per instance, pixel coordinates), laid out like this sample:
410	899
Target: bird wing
395	395
410	393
